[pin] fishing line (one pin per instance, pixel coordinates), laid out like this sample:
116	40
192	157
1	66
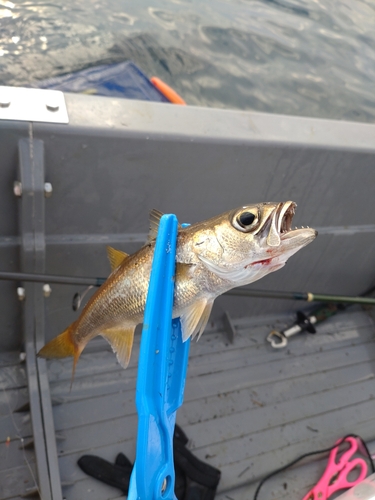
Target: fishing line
311	453
22	441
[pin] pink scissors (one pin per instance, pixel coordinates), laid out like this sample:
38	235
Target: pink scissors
336	475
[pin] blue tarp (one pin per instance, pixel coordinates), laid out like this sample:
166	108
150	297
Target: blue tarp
114	80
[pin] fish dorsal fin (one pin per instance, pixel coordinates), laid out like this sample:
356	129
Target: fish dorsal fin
194	319
116	257
121	341
155	216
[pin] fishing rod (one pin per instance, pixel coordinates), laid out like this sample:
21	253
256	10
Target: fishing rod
305	322
51	278
332	304
243	292
305	296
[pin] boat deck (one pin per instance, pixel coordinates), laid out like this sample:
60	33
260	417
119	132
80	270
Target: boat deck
248	409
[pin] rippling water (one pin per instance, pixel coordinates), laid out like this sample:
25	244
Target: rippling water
305	57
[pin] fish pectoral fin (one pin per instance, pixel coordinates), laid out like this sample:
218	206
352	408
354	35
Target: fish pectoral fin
183	271
116	257
155	216
121	341
203	320
194	320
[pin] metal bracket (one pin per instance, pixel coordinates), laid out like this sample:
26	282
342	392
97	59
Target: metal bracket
31	226
32	105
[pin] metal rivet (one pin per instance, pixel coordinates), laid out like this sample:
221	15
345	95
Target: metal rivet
47	290
17	188
52	106
21	293
48	189
4	102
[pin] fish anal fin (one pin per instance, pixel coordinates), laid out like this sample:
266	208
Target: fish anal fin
116	257
194	319
121	341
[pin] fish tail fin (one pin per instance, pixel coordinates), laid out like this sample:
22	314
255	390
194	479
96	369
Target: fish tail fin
63	346
76	356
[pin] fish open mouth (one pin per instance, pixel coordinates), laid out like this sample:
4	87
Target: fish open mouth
277	223
279	227
285	215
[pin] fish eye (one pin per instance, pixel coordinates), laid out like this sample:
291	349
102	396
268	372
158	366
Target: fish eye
245	221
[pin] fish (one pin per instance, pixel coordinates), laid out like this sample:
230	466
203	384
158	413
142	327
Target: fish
229	250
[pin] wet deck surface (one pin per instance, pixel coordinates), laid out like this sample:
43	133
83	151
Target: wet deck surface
248	409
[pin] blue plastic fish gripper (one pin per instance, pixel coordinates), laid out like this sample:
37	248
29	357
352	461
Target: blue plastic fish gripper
161	376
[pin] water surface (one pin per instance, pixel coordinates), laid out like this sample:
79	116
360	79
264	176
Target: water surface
307	57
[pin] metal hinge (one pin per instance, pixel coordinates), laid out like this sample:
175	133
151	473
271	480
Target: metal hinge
33	105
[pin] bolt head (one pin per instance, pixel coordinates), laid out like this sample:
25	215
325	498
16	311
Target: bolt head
48	189
52	106
4	102
21	293
17	188
5	99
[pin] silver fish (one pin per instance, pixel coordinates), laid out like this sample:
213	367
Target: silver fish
213	256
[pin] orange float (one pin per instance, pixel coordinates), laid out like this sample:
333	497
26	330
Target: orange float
167	91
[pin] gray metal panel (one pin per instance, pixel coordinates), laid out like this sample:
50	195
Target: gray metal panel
117	159
31	227
10	310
